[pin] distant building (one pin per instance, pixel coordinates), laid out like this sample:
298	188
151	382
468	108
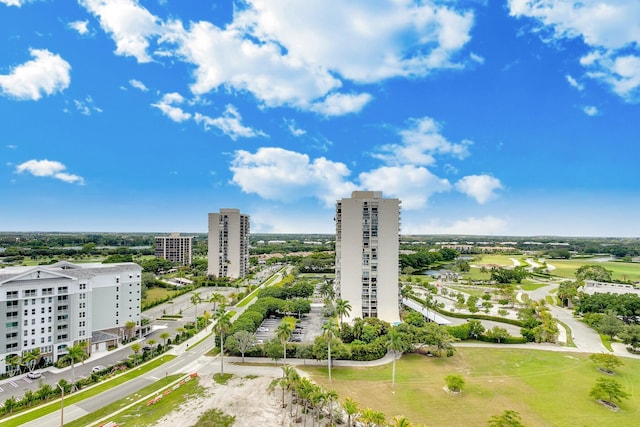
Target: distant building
367	254
175	248
53	307
228	244
594	287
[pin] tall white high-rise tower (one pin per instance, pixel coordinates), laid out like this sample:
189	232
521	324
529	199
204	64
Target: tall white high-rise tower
367	254
228	244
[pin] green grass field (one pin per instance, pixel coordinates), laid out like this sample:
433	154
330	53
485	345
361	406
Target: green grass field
157	293
546	388
621	270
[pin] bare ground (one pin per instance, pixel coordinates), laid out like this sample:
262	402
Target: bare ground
248	399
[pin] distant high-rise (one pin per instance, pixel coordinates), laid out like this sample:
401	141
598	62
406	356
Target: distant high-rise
175	248
228	244
367	254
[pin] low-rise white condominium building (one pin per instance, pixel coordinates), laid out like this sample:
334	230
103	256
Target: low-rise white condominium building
228	244
53	307
367	254
175	248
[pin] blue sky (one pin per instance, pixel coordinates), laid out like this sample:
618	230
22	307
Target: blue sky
510	117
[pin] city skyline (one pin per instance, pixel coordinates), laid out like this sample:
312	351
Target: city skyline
505	118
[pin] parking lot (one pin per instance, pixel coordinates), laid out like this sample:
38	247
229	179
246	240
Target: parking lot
306	330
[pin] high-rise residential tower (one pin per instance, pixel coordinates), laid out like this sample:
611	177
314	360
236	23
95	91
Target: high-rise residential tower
175	248
228	244
367	254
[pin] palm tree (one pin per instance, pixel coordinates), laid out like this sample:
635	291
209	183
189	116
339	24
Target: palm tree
217	298
394	343
283	333
14	361
130	326
401	421
343	308
136	347
30	358
195	299
351	407
292	377
330	396
151	343
205	318
165	336
75	353
372	418
329	331
222	326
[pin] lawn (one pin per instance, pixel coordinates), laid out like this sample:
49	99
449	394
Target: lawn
621	270
157	293
546	388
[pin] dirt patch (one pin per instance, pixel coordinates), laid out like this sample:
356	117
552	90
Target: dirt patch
248	399
610	405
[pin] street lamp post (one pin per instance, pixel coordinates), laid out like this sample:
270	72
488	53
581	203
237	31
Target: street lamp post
61	405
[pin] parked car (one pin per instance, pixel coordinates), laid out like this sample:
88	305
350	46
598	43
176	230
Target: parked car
98	368
34	375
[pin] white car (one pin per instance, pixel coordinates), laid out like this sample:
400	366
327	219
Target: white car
34	375
98	368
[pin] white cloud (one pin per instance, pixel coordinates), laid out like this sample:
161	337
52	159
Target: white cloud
484	226
225	58
338	104
421	140
46	74
413	185
621	73
281	52
86	106
168	108
278	174
130	25
293	128
590	110
138	85
380	35
49	168
230	123
17	3
480	187
574	83
82	27
611	30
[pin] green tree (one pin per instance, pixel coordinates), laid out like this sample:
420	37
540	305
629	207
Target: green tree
136	347
395	344
195	300
343	308
498	334
329	331
606	361
508	418
217	298
630	335
609	390
75	353
351	408
593	272
476	329
610	324
165	336
283	333
246	340
221	327
130	327
455	382
31	358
